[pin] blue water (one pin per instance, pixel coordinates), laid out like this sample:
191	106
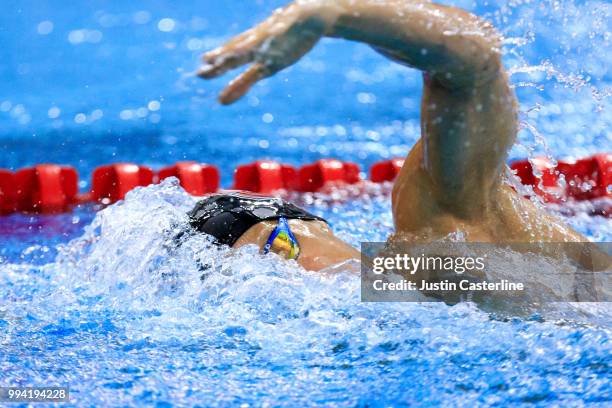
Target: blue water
98	301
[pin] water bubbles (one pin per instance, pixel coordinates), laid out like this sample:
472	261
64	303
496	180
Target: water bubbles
6	106
267	118
153	106
96	114
18	110
195	44
339	130
166	25
321	131
76	36
80	118
44	27
126	114
54	112
141	112
366	98
80	36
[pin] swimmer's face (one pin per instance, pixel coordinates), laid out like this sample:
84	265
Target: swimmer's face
319	247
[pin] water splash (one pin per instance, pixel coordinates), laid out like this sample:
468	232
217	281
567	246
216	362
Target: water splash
154	314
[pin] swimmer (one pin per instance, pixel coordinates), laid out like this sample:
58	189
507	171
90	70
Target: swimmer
453	179
237	218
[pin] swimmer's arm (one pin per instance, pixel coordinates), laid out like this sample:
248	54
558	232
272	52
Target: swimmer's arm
468	112
455	47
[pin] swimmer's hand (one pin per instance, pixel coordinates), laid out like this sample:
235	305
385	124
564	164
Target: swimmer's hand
271	46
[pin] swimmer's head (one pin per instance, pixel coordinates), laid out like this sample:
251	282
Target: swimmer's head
274	225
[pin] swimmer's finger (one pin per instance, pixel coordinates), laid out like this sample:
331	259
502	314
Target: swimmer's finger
246	42
239	44
241	85
224	64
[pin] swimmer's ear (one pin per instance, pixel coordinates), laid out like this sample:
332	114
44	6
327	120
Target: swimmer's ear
241	84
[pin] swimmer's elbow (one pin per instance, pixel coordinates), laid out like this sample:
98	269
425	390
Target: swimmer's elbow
469	74
478	59
488	61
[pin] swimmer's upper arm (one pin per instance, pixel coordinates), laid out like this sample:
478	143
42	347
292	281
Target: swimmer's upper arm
468	113
456	48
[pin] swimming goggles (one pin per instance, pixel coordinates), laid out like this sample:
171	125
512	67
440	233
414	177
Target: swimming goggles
282	241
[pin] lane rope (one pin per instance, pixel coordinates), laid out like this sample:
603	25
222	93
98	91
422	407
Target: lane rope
53	188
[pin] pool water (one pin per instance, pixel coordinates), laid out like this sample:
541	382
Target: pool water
104	303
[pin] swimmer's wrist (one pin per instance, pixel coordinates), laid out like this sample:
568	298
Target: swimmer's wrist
328	11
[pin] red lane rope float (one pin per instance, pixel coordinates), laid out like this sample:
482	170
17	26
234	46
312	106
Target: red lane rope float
313	177
7	192
53	188
45	188
111	183
545	183
197	179
585	179
589	178
385	170
265	177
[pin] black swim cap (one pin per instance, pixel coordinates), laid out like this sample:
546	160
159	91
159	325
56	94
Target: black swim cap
227	216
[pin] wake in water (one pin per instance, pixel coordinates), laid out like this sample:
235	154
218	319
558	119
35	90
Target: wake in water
128	303
136	255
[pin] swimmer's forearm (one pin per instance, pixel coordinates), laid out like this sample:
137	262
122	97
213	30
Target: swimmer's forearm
457	49
453	45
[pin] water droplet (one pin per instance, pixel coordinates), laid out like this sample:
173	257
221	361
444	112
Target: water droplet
267	118
44	27
80	118
166	25
53	112
365	97
96	114
154	106
142	112
126	114
76	36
